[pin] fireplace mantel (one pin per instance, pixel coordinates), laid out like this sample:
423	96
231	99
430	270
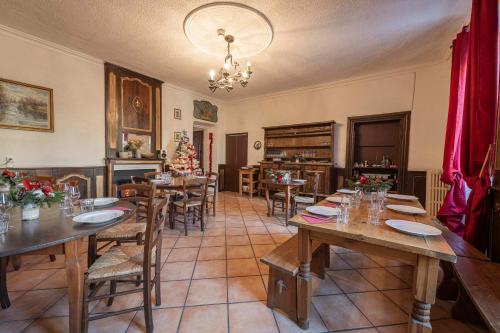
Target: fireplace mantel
128	165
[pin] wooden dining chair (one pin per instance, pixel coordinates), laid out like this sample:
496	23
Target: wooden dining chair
212	185
307	200
121	264
192	204
278	198
140	195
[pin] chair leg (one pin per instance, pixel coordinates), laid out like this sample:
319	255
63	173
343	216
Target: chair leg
4	295
157	283
85	316
148	307
16	262
185	223
213	205
112	291
272	213
202	219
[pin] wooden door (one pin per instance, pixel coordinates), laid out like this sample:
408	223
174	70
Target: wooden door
236	157
198	145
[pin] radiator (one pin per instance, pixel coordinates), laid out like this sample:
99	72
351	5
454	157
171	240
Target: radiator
435	191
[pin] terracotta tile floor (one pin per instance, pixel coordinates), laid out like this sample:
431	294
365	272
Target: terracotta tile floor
214	282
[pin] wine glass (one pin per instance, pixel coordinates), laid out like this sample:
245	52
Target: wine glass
5	202
74	194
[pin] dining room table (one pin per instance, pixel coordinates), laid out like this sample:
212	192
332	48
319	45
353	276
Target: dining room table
285	186
421	252
55	232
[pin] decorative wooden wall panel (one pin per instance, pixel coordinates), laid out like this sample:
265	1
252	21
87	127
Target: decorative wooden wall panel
133	107
94	175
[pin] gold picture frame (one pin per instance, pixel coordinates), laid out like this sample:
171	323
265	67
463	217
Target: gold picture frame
25	106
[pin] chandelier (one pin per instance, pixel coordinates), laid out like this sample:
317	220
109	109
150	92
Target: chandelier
229	75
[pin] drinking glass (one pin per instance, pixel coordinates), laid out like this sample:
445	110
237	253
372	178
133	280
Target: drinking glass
74	194
5	202
4	223
374	212
87	205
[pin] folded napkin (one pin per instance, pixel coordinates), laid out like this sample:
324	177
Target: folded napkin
317	220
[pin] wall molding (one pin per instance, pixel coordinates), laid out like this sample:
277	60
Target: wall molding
349	81
11	32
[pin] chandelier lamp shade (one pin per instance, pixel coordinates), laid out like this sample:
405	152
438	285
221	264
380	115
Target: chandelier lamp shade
229	75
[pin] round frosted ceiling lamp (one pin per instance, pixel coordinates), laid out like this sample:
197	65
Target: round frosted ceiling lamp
251	29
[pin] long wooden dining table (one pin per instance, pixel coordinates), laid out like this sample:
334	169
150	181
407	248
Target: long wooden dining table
423	253
56	233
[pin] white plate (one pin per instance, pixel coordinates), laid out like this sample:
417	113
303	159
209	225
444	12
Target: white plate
413	228
323	210
104	201
100	216
406	209
402	197
335	199
346	191
299	180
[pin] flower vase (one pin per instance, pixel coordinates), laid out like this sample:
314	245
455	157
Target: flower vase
5	188
138	154
368	193
30	212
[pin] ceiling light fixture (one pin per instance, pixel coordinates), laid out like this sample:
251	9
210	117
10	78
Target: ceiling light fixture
224	79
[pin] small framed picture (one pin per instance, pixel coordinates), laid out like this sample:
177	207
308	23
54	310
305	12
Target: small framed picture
177	136
177	113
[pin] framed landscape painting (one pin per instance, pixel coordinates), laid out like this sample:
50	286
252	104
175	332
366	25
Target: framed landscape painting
26	107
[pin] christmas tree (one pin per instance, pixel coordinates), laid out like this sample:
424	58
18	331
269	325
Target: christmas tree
185	162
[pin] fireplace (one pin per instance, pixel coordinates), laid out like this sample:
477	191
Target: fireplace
119	170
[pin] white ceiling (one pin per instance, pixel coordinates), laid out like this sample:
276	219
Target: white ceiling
315	41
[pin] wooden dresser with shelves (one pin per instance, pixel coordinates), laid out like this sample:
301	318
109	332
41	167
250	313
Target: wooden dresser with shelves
311	142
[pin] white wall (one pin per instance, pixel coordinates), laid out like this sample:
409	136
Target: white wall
78	84
423	91
175	97
79	120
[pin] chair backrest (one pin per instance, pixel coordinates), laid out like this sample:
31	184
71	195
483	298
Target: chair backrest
139	180
157	213
213	180
198	186
151	175
137	193
83	182
315	182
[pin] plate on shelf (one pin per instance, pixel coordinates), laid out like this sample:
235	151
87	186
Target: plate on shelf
100	216
301	181
323	210
346	191
100	202
406	209
403	197
334	199
413	228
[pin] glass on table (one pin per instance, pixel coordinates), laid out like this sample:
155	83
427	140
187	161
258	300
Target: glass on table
374	213
4	223
87	205
5	202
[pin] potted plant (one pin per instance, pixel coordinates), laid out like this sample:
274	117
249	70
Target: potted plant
370	184
133	145
30	196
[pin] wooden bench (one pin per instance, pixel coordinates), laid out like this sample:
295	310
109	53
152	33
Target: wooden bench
473	282
283	265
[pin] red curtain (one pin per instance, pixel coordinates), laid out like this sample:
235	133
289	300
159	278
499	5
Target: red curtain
480	118
453	209
472	119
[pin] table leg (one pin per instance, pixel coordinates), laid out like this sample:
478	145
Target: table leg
4	294
424	291
240	182
268	201
304	279
287	204
74	274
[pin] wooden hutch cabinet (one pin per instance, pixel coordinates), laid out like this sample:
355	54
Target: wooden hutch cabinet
310	143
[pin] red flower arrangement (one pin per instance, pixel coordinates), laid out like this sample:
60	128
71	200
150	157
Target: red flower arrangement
36	193
7	178
370	183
